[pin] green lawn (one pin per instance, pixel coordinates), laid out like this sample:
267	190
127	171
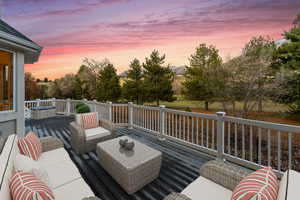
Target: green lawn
181	103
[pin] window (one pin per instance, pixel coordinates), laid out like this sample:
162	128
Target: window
6	81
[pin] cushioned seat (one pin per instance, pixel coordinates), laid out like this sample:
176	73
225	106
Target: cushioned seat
54	156
203	188
62	173
95	133
76	189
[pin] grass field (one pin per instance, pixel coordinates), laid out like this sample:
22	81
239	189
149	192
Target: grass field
272	112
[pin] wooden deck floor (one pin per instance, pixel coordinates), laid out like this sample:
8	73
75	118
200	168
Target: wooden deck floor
180	164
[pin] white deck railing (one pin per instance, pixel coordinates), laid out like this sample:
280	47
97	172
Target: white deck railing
250	143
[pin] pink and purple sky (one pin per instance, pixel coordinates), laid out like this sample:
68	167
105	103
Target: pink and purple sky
120	30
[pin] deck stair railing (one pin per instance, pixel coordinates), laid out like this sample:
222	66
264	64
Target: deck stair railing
249	143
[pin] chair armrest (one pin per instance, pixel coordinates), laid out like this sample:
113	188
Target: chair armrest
224	174
50	143
107	125
176	196
77	137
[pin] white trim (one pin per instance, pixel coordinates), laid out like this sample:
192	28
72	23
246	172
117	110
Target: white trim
14	81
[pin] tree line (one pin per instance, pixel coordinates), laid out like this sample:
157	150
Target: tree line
263	71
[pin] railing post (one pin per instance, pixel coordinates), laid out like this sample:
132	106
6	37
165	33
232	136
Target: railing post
162	121
110	111
38	102
53	101
68	107
95	105
220	134
130	114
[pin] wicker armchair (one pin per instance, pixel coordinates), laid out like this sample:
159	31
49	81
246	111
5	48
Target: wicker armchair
82	144
220	173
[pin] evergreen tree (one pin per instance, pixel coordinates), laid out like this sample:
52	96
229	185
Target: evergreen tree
201	83
108	86
133	88
157	79
287	57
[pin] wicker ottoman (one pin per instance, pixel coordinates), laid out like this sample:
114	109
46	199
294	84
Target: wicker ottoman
131	169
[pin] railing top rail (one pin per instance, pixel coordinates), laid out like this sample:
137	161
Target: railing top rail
120	104
146	107
192	114
263	124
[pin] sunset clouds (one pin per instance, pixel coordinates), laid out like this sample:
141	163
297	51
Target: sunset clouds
120	30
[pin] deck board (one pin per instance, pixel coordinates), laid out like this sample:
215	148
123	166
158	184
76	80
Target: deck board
180	164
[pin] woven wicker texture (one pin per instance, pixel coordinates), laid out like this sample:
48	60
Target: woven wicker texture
223	173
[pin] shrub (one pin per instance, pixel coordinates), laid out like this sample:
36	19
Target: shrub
79	105
83	109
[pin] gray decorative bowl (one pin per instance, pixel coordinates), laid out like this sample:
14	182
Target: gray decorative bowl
129	145
123	142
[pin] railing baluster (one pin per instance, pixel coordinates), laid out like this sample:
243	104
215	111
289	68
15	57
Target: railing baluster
251	143
176	125
243	141
259	145
197	130
269	147
279	151
202	132
213	134
184	127
193	140
235	140
188	129
290	149
228	138
207	132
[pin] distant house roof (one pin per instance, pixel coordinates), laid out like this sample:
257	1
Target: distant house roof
11	37
279	43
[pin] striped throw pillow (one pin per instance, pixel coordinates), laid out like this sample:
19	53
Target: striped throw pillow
261	184
89	120
30	146
25	186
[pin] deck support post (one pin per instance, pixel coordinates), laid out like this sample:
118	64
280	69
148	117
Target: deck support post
109	104
130	115
38	102
68	107
162	122
220	135
53	101
95	105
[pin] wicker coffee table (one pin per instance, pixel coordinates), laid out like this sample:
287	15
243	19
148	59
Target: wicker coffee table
131	169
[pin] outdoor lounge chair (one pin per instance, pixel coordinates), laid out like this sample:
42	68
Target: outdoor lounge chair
86	140
218	179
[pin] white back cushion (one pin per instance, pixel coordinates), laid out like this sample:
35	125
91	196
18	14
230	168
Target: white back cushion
293	185
6	168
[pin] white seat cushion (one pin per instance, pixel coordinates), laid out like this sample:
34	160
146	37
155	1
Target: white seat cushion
75	190
54	156
62	173
203	188
95	133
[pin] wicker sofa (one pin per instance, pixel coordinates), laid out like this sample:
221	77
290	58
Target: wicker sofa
66	181
218	179
83	141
